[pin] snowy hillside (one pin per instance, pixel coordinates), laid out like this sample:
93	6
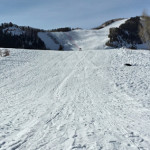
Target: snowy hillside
76	39
13	36
115	33
52	100
48	40
13	30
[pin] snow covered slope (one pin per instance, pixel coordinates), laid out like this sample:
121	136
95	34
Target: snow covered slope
76	39
48	40
14	30
52	100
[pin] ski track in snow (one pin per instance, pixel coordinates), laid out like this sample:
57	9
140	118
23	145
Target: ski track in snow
75	100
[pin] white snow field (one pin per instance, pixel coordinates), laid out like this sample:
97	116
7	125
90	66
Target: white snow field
80	100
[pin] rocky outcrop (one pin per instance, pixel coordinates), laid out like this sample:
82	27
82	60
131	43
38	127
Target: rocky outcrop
127	35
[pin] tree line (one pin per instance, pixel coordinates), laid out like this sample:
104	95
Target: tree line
27	40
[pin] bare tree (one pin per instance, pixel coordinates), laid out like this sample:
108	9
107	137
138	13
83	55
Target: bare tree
145	29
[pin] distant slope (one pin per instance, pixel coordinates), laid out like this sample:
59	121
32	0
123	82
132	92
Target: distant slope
76	39
114	33
108	23
48	40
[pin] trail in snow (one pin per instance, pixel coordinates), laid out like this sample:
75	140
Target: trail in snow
73	100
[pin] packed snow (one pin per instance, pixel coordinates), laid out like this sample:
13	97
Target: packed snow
75	100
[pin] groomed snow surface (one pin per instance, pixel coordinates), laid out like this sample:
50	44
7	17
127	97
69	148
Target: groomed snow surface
80	100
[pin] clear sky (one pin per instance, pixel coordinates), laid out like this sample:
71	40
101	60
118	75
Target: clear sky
49	14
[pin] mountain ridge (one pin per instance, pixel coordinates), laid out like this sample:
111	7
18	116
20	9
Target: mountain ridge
13	36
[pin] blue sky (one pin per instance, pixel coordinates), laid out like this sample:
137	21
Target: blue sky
49	14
